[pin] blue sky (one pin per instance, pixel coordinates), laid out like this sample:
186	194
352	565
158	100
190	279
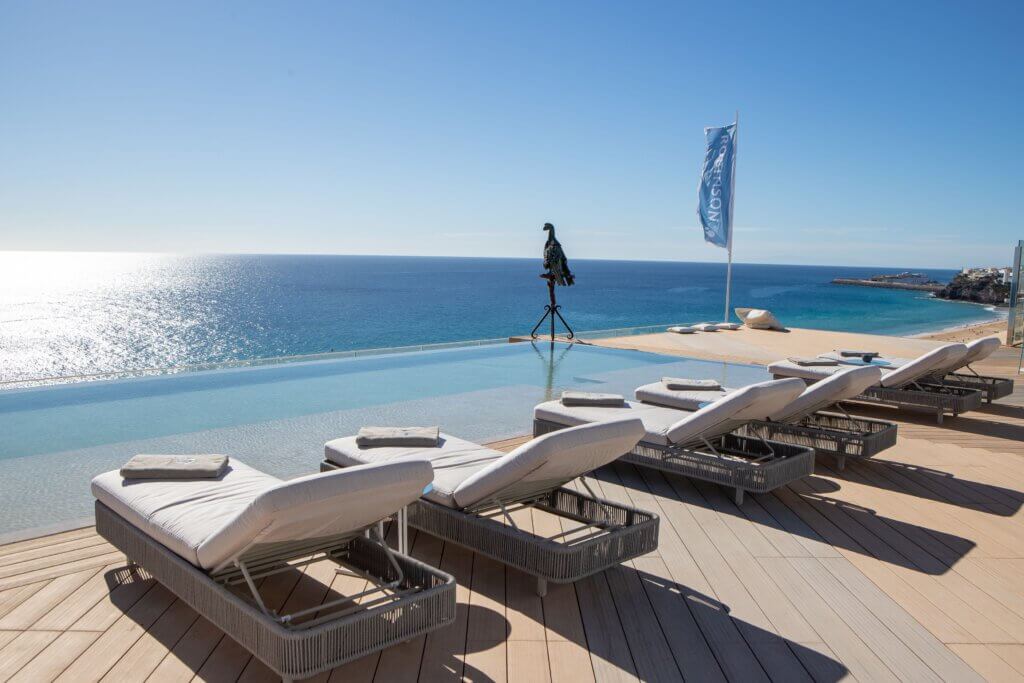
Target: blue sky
871	133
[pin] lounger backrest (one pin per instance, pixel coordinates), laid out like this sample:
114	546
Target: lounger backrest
318	506
550	461
753	402
979	349
839	387
925	365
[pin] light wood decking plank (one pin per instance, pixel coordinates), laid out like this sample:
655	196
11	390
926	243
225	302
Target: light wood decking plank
44	601
56	657
48	540
23	649
987	663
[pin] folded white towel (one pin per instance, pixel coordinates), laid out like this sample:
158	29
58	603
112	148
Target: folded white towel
812	361
586	398
682	329
175	467
678	384
379	437
866	355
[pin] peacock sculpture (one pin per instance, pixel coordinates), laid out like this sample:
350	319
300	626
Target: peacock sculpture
554	259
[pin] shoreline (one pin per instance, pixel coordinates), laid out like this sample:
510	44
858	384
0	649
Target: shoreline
967	332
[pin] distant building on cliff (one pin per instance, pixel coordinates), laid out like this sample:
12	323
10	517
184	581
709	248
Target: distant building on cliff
978	273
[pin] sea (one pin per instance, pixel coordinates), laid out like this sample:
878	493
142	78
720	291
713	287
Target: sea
72	314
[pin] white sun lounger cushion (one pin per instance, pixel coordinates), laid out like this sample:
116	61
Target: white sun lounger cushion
658	394
663	425
813	373
905	374
210	522
453	460
841	386
977	350
657	420
924	365
559	456
752	402
467	473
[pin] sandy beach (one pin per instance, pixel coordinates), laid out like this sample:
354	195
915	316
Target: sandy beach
968	333
766	346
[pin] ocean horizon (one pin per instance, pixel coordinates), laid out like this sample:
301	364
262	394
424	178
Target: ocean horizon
66	314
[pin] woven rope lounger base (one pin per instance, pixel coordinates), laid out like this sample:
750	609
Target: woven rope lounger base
608	534
416	599
741	462
937	399
992	388
832	434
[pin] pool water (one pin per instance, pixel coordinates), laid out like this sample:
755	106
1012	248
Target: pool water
277	417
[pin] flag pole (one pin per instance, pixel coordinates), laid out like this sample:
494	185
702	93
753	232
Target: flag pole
732	202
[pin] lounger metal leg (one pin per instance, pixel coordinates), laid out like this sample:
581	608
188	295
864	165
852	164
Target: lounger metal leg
403	530
841	463
542	587
739	496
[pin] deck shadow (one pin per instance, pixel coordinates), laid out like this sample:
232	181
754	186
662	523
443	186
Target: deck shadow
644	625
805	511
703	616
298	591
864	531
931	484
972	422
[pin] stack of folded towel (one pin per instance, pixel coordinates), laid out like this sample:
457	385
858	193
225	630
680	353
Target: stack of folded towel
175	467
586	398
866	355
679	384
807	362
402	437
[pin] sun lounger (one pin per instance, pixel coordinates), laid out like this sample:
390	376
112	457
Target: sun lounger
905	386
704	444
803	421
959	373
476	488
993	388
211	541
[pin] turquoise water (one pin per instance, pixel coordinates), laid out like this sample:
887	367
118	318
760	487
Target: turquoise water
277	417
72	314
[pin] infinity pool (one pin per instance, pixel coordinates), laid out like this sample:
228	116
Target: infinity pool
277	417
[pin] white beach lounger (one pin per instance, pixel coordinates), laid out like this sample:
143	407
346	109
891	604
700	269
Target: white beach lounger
703	444
905	386
992	388
210	541
474	488
803	421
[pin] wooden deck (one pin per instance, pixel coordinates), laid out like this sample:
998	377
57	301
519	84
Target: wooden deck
909	567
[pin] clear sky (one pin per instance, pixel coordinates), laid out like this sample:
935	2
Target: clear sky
871	133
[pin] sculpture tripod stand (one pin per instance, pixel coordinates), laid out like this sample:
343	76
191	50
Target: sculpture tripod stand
551	310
